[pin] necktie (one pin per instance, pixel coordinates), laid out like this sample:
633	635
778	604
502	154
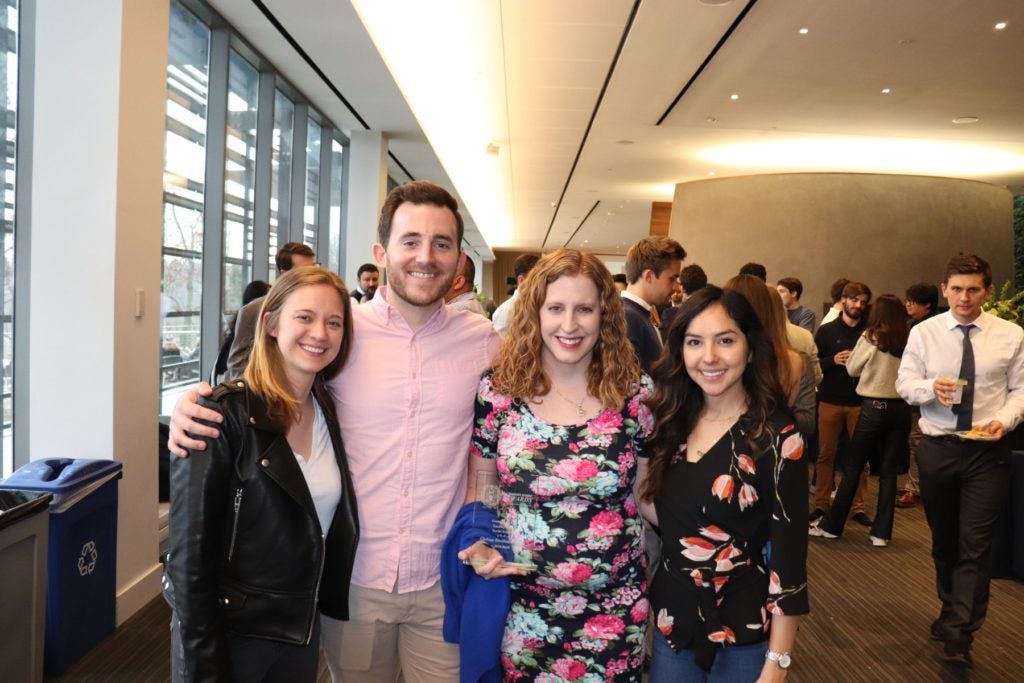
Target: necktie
656	321
965	409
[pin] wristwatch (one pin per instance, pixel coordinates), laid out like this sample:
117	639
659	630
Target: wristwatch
781	658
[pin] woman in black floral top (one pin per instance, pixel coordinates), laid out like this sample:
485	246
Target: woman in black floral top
729	492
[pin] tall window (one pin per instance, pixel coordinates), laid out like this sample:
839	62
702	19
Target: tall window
333	260
280	174
236	183
184	188
8	118
313	134
239	182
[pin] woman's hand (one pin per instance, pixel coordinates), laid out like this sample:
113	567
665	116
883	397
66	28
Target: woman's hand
772	673
487	561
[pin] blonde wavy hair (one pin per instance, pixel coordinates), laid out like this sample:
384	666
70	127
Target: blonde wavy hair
265	372
613	373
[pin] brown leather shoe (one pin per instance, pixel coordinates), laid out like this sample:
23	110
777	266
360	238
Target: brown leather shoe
907	499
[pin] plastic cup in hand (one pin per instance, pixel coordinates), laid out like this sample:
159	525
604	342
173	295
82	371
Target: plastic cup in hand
958	392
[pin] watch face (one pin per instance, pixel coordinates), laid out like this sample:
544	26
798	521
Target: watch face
785	661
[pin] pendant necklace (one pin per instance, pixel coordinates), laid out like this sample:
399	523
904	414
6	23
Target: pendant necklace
578	404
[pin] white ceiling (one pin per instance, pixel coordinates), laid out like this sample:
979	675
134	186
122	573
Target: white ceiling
941	59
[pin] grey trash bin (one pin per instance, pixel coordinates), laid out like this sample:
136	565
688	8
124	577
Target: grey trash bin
24	533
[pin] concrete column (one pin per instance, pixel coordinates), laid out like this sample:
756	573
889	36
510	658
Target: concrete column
94	292
367	187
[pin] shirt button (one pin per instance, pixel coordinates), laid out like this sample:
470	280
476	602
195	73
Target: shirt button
408	454
405	493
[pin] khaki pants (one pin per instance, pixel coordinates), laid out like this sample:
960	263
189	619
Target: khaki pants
390	633
831	420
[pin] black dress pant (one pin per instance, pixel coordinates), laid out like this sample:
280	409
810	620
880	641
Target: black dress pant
964	488
256	659
882	426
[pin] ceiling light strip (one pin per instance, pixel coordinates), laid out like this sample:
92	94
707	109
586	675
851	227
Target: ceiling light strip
592	209
593	115
319	72
707	60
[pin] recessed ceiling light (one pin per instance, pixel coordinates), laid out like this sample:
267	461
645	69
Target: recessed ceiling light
586	241
611	213
886	91
804	31
715	2
1000	26
734	96
623	142
966	119
711	173
710	119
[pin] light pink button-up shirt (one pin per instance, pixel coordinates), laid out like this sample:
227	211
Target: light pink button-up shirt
405	404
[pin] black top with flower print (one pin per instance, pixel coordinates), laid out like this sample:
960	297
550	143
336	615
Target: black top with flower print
734	533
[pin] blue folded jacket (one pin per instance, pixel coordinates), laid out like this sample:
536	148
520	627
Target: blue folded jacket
474	608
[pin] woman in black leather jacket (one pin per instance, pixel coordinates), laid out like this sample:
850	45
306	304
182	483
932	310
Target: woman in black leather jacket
263	522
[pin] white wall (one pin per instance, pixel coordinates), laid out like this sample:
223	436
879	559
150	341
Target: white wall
96	234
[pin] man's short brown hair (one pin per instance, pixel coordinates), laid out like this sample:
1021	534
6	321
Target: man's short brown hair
283	257
853	289
793	285
652	253
417	192
968	264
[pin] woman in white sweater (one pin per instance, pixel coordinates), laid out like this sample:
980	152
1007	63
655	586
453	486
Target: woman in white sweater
883	425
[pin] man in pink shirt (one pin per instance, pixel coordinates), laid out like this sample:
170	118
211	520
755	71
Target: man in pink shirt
405	405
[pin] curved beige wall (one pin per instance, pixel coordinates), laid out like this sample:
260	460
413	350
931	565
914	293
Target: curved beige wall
888	231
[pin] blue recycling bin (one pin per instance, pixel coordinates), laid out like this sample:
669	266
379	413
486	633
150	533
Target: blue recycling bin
82	550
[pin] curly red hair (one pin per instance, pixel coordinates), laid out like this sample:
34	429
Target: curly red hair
613	373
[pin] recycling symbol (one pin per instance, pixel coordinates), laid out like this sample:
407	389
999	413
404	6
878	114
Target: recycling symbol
87	558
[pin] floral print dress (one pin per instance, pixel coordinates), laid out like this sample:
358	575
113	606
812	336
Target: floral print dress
734	535
566	497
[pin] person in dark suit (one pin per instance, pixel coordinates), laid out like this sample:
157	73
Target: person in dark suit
369	278
652	269
691	279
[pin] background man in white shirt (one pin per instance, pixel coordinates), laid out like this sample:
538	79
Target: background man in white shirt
964	482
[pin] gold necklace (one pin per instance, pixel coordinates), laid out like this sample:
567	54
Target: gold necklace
578	404
728	418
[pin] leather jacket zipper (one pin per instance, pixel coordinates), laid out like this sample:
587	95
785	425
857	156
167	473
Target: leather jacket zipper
316	591
234	524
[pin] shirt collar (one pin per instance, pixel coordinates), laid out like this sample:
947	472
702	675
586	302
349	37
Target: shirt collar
626	294
952	323
389	315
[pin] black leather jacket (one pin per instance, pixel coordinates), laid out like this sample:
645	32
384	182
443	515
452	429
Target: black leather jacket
247	556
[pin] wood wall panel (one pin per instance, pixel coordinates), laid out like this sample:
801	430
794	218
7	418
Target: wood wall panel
661	217
504	262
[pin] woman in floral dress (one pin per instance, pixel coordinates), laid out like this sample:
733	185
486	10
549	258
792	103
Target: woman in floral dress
560	426
727	488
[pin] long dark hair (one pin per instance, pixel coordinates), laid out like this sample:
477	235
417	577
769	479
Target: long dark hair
887	325
678	401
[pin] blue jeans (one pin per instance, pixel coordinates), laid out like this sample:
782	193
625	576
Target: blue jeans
735	664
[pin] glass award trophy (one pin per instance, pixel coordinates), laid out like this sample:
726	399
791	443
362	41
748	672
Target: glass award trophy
501	537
